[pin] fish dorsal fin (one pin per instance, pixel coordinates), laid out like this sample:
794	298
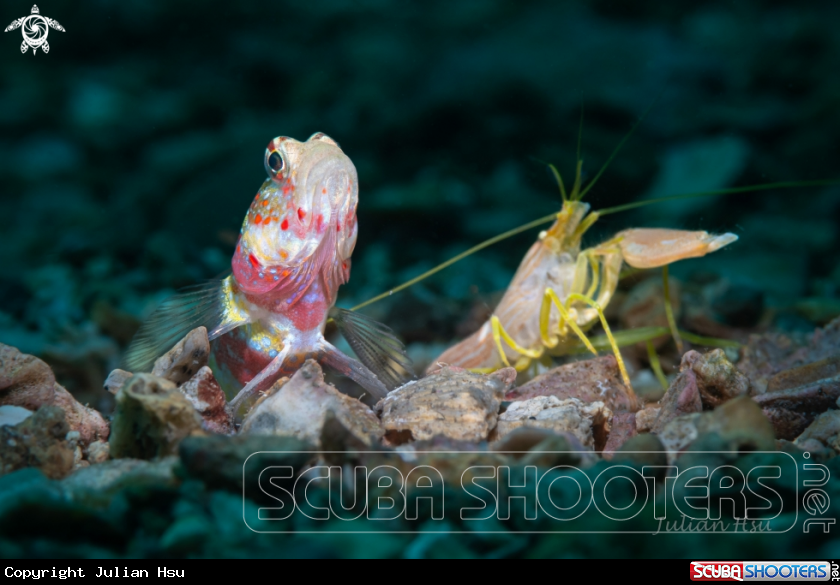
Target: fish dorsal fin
195	306
376	346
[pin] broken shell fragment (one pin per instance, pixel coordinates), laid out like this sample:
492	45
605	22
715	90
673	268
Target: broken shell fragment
589	423
452	403
188	356
300	407
208	398
150	419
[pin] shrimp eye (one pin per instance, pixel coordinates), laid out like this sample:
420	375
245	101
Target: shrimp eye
274	162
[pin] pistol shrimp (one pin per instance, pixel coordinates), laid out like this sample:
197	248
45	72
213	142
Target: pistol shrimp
560	291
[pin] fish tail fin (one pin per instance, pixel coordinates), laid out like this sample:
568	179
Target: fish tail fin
178	315
376	346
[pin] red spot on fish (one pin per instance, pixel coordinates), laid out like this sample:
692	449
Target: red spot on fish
286	188
319	221
338	226
258	219
253	260
301	214
284	225
324	190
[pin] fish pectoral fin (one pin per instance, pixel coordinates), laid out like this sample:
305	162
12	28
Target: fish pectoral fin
353	369
376	346
192	307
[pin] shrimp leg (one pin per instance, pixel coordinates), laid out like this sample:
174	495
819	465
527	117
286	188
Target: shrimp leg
595	305
500	334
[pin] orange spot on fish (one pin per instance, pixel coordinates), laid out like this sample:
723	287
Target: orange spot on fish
284	225
301	214
286	273
324	190
258	219
265	203
284	254
253	260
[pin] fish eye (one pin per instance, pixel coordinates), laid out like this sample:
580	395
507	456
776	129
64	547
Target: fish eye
274	162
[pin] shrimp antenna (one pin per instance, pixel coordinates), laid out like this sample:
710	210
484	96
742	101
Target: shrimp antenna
614	152
556	174
730	191
619	208
461	256
553	216
580	130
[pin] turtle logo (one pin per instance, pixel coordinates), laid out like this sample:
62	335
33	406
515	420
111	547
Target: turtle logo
35	28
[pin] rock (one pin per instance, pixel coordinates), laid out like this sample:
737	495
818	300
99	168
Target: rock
25	380
523	439
589	423
38	441
12	415
544	448
336	437
592	380
150	419
451	402
804	375
682	398
645	418
825	430
98	452
186	535
644	449
718	380
208	398
558	449
739	423
792	410
704	380
622	429
218	460
188	356
98	484
678	433
299	409
28	382
115	380
766	355
37	508
90	425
